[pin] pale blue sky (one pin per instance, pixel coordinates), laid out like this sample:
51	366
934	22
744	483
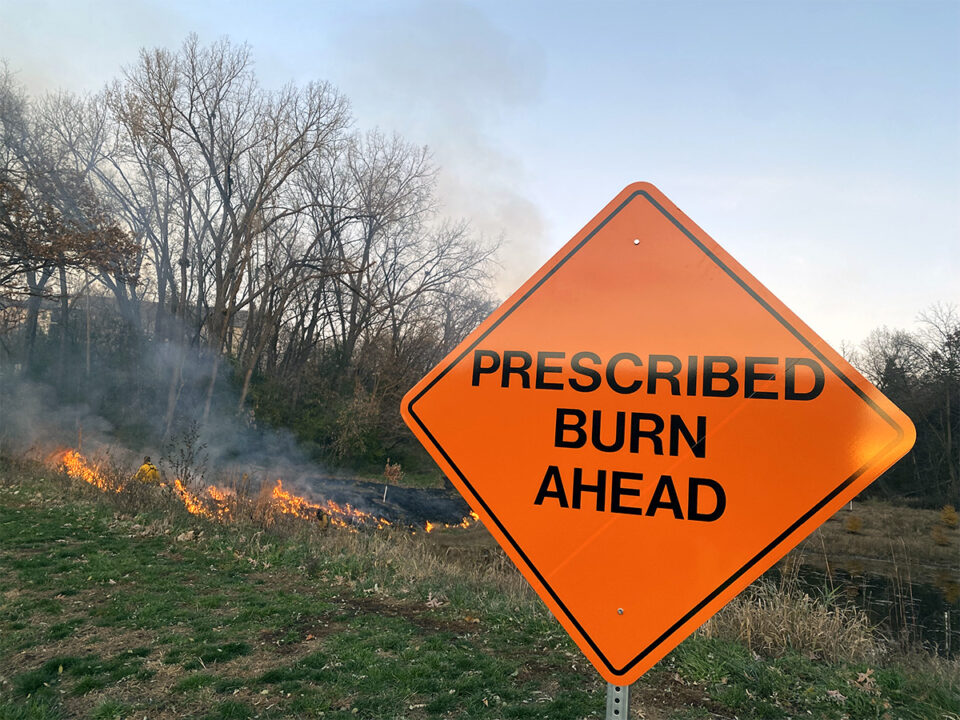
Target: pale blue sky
818	142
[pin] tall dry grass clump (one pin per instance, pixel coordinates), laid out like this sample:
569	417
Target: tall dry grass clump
414	560
940	536
947	521
771	619
853	524
949	516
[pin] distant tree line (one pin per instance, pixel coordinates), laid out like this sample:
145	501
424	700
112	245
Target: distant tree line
920	372
246	237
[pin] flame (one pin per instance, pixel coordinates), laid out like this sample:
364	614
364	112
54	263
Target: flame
291	504
223	499
218	509
78	468
218	503
192	502
337	514
467	521
219	495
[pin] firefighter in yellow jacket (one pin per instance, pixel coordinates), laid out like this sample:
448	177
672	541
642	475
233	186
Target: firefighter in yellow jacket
147	473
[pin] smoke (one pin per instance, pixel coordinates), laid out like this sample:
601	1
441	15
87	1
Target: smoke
118	409
444	75
120	406
54	45
31	416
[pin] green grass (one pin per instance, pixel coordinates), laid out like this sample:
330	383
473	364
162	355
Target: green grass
107	615
110	710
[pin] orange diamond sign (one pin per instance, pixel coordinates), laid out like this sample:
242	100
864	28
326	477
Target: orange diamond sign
646	429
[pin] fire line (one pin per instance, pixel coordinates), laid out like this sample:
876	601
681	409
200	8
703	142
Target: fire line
219	503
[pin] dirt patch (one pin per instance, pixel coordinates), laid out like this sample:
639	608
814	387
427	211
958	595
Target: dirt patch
658	696
141	693
103	642
536	671
317	628
423	617
308	631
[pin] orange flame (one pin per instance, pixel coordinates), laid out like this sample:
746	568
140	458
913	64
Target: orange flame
219	495
291	504
338	515
217	503
222	499
77	467
192	502
467	521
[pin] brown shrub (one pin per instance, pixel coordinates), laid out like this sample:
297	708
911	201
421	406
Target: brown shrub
392	473
853	524
940	536
949	516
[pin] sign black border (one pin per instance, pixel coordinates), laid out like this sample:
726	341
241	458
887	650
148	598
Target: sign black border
756	558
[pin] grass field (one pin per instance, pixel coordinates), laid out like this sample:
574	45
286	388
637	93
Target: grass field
111	614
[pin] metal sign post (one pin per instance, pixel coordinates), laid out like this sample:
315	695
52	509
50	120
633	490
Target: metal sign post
618	701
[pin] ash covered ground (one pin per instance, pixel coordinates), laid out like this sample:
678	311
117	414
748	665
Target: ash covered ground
403	505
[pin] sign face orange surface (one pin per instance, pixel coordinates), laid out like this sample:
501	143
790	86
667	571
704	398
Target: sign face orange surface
646	429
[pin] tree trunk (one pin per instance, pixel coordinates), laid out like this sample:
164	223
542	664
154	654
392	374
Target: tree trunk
208	401
64	310
180	332
173	392
252	364
87	363
35	284
33	320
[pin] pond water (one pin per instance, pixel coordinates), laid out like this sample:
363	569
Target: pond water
909	612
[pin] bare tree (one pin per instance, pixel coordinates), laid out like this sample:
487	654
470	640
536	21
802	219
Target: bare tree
920	371
262	231
940	347
52	221
232	149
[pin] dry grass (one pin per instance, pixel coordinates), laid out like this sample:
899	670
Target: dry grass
853	524
892	540
417	560
940	536
949	516
772	618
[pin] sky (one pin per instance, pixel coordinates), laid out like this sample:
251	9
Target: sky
817	142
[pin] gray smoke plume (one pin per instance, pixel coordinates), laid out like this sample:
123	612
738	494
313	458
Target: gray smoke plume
443	74
38	417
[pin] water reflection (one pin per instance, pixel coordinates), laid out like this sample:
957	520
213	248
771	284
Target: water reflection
910	612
